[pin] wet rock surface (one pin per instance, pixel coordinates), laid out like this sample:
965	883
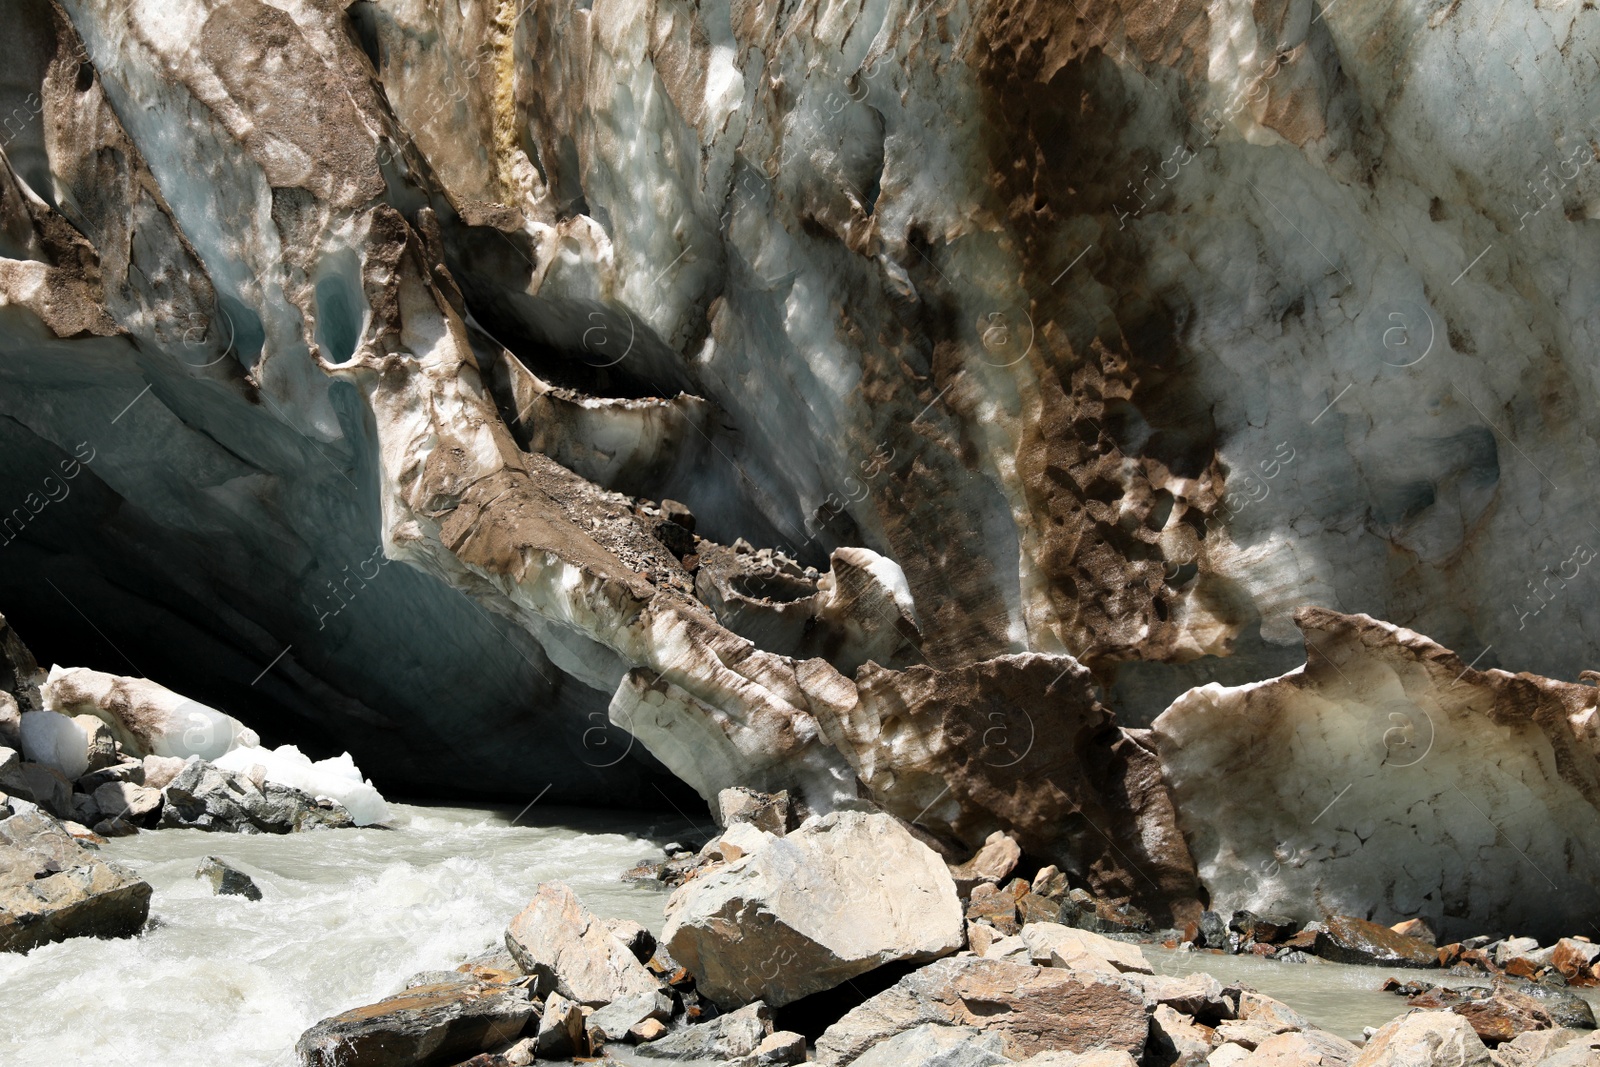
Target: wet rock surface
53	888
429	1026
226	879
1346	939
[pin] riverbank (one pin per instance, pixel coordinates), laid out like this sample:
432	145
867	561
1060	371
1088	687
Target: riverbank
346	917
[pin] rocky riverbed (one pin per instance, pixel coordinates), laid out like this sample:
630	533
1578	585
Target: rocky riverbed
347	919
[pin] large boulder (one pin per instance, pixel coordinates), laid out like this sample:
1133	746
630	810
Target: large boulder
206	797
617	1019
840	896
52	888
1425	1039
1033	1009
425	1026
571	952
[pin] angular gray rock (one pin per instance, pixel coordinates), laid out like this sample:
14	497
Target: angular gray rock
616	1019
426	1026
226	879
838	897
932	1045
44	786
570	951
742	1038
1033	1009
138	804
205	797
52	888
561	1030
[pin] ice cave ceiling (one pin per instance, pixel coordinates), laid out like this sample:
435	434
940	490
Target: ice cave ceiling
348	351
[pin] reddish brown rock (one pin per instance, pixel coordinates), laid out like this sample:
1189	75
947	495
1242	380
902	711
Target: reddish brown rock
1502	1017
1346	939
1574	959
1522	967
1033	908
993	906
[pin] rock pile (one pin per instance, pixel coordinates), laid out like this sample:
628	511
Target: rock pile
111	756
568	984
1571	961
993	969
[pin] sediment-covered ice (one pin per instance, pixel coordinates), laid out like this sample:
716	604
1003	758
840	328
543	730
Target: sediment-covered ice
147	718
1389	778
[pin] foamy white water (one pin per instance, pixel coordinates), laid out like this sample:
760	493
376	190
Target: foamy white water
346	917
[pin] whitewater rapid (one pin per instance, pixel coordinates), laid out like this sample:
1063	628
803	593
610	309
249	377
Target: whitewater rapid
346	917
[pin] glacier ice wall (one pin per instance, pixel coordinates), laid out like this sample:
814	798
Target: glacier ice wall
374	334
